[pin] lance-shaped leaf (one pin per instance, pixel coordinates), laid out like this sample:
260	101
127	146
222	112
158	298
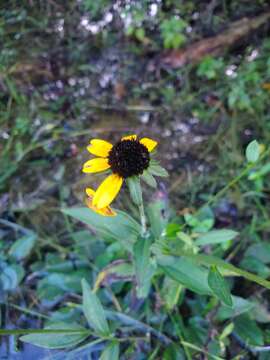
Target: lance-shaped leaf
186	272
75	334
219	286
125	229
253	151
144	269
216	237
149	179
94	311
135	189
111	351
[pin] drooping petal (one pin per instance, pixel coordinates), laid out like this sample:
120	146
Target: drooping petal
129	137
90	192
99	147
95	165
106	211
107	191
149	143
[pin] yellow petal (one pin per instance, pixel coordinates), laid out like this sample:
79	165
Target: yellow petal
107	211
95	165
99	147
90	192
107	191
149	143
129	137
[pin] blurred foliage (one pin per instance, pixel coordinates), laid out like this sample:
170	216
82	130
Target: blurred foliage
73	70
172	33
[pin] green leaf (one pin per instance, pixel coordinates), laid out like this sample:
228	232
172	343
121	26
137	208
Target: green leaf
23	246
212	260
260	173
144	269
209	67
187	241
58	340
10	276
157	170
216	237
260	251
219	286
186	272
172	32
248	330
253	151
140	34
226	331
57	283
149	179
261	312
121	227
111	351
173	352
251	263
94	311
202	222
239	307
119	270
157	212
170	292
135	189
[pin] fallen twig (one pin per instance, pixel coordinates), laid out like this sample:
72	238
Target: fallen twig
214	45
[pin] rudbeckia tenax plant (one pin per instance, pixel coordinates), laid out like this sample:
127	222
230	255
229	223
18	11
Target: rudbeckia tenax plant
130	159
161	257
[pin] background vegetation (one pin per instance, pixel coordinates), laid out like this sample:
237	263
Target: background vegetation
71	71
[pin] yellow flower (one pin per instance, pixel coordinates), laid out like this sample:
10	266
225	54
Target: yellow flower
106	211
128	157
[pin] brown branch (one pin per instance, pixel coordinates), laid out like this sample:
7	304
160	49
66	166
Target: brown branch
214	45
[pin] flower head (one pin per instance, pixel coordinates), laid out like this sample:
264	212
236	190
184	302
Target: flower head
128	157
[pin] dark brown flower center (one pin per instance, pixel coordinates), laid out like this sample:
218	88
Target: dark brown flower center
128	158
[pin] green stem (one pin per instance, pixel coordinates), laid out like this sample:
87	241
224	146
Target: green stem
29	312
197	348
43	331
